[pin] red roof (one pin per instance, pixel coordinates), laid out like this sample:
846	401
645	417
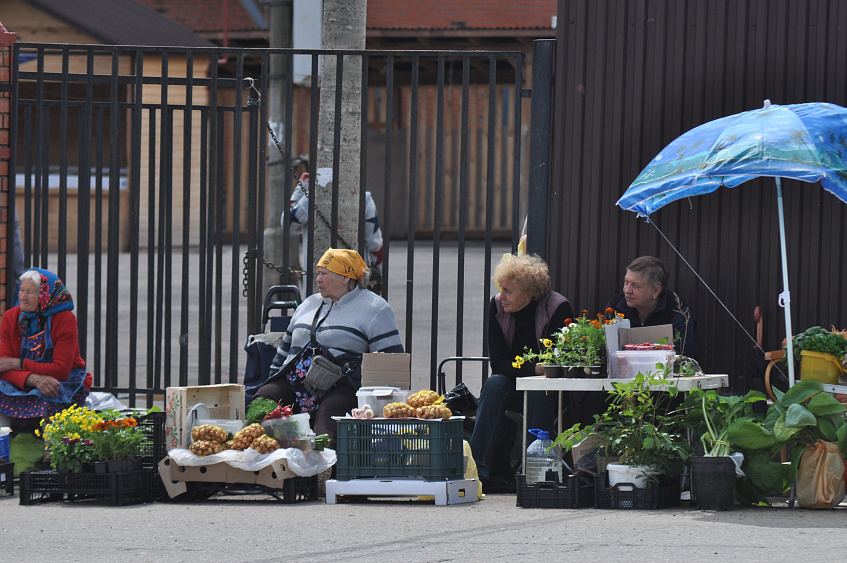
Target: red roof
208	15
204	15
461	14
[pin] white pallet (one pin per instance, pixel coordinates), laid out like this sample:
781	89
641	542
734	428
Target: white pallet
445	492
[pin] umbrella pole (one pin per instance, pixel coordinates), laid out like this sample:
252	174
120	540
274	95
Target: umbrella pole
785	296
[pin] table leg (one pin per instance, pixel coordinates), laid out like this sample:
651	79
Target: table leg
560	412
523	436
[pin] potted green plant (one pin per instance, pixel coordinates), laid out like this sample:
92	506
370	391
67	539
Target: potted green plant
119	443
711	416
579	346
639	429
821	353
800	417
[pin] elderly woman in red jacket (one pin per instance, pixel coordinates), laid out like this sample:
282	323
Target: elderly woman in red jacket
41	369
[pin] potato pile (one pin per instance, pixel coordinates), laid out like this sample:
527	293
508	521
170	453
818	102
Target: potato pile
434	411
422	398
244	437
398	410
208	440
422	404
264	444
205	447
208	433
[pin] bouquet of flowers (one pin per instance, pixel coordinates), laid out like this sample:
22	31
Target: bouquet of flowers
67	436
581	342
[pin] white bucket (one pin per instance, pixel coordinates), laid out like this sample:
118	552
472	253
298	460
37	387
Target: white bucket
635	474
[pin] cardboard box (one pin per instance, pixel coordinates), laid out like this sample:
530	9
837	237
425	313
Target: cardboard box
645	334
220	401
620	334
389	370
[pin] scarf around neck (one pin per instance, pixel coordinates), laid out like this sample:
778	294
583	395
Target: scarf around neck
53	297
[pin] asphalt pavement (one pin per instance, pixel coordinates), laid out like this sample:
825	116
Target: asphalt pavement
258	528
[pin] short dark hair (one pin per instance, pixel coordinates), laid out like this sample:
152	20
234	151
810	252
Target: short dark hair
651	269
300	160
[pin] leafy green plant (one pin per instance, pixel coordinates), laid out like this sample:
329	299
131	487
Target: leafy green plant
818	339
259	408
711	416
799	418
637	426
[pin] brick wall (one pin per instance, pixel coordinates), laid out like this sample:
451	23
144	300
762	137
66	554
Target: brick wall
7	39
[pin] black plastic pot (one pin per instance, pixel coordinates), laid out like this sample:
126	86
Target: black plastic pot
712	482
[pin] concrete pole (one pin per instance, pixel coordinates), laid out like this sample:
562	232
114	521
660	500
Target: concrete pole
343	28
279	28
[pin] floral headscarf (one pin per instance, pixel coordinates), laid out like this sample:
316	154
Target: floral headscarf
53	297
342	261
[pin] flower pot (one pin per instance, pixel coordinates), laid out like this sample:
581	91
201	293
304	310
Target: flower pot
637	475
123	465
101	467
713	482
582	371
820	366
554	372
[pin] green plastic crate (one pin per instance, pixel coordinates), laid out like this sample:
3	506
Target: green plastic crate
400	448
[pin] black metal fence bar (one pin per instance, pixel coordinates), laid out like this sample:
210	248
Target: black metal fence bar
144	140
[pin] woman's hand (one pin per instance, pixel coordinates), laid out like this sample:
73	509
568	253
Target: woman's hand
48	386
7	364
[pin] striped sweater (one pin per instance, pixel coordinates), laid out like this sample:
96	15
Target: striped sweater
360	322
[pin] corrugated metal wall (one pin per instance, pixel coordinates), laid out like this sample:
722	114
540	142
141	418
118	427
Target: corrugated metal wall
632	75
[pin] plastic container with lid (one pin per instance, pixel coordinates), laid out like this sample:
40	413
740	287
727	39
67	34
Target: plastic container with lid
230	426
539	460
290	431
631	362
379	396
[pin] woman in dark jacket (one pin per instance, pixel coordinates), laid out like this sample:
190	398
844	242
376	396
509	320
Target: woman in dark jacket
525	311
645	301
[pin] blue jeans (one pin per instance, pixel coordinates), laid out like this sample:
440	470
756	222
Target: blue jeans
497	396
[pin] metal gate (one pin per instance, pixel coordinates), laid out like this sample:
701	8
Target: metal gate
141	179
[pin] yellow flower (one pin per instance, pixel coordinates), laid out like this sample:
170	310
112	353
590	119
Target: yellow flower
547	342
516	365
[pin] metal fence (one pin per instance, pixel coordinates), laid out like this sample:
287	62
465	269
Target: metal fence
142	179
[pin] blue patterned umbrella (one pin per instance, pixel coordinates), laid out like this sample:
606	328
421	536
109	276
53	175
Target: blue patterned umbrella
805	142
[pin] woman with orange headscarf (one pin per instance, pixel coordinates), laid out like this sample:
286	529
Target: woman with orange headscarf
348	321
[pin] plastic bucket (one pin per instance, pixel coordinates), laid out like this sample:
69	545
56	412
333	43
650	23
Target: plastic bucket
713	482
634	474
820	366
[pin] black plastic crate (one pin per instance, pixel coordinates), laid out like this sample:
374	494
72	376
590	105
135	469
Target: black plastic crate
298	489
431	450
664	494
114	489
7	477
153	427
576	492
